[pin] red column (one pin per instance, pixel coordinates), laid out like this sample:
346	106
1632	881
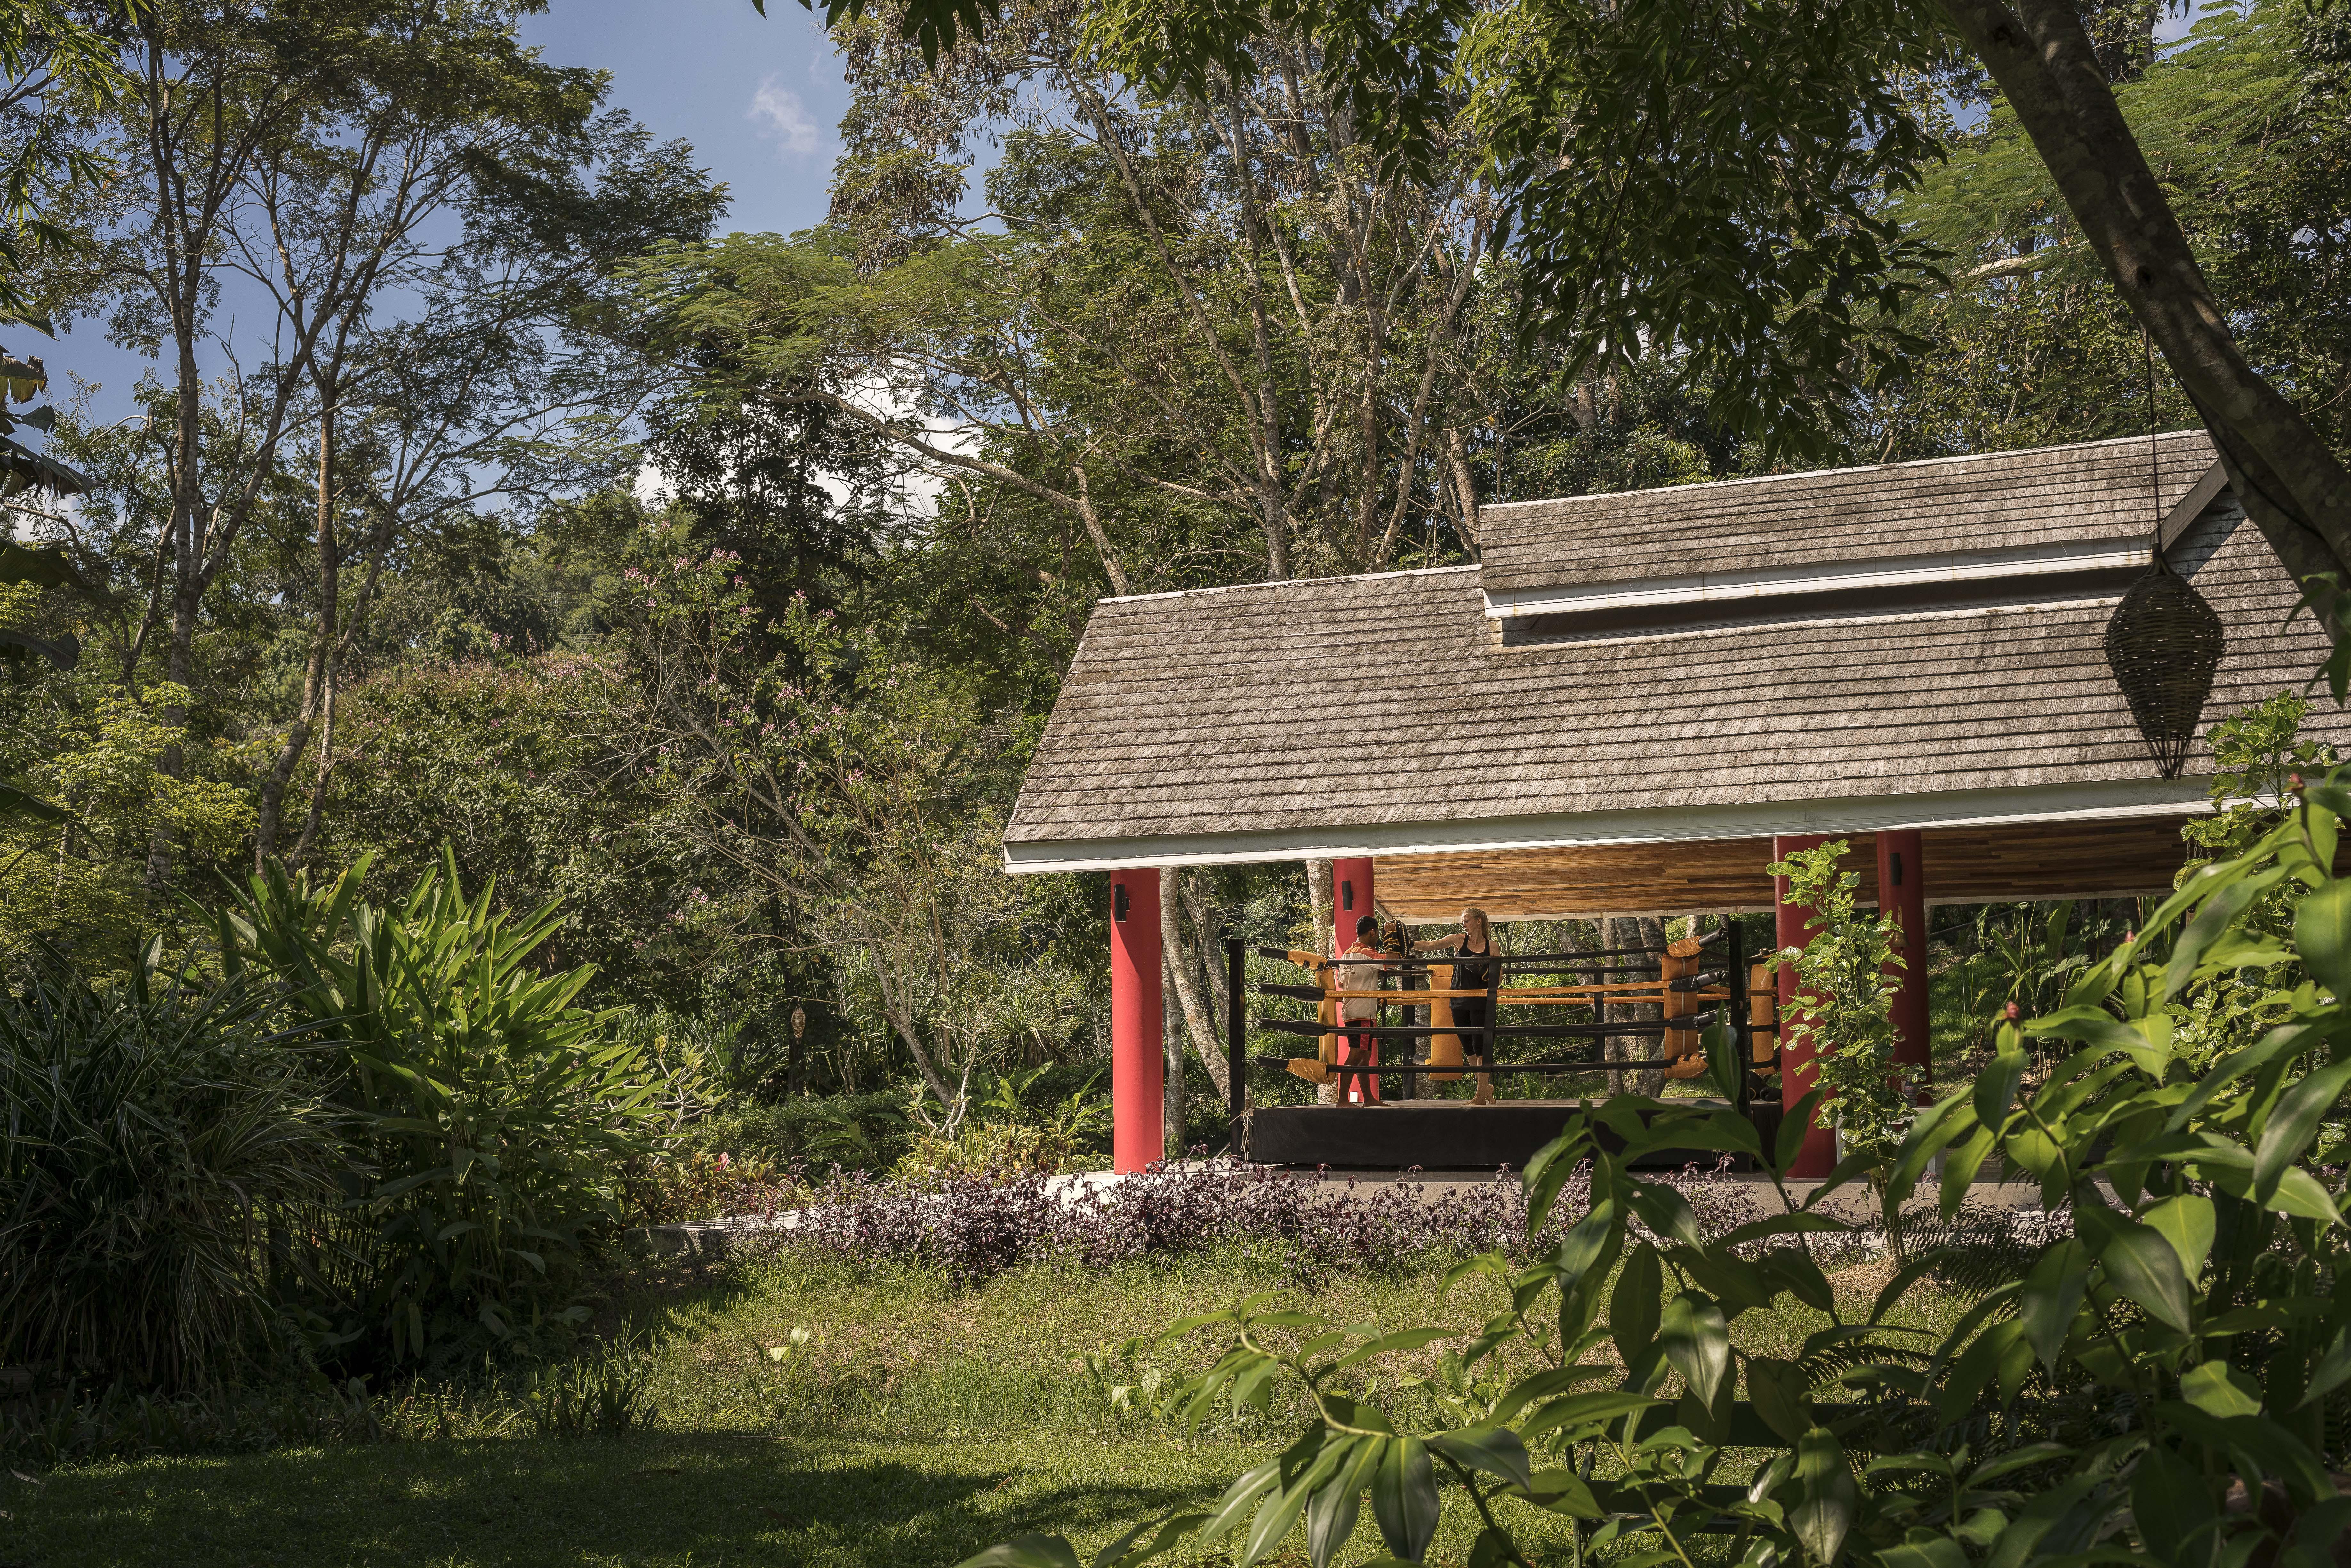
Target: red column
1137	1068
1350	900
1795	928
1902	893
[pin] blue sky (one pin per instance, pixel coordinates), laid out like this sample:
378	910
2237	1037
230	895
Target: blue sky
759	99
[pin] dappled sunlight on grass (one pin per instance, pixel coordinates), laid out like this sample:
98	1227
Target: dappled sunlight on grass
911	1423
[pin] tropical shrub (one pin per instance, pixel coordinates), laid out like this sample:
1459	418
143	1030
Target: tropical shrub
161	1143
673	1187
2185	1341
1845	1001
1004	1133
492	1118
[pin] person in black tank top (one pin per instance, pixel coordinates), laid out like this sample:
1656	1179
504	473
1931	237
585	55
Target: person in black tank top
1474	968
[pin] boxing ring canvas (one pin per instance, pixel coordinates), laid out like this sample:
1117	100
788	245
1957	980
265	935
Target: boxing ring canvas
1633	703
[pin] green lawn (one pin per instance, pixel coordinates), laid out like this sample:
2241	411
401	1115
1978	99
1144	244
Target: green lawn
916	1425
665	1498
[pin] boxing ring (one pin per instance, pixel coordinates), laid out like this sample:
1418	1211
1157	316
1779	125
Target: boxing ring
1717	1024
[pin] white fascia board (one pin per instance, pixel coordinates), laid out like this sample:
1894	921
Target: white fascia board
1639	825
1816	577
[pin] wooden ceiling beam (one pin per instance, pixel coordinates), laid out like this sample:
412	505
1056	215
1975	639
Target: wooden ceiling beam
2122	858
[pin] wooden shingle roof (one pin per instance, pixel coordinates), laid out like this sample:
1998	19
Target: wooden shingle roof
2082	495
1381	715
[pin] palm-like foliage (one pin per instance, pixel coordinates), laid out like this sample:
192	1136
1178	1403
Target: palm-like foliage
158	1139
495	1115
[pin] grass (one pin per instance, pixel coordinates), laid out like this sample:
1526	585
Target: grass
913	1424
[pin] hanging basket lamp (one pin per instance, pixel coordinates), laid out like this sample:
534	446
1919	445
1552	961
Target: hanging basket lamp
2164	644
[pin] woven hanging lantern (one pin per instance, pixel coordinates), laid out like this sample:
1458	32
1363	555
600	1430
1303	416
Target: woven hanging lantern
2163	644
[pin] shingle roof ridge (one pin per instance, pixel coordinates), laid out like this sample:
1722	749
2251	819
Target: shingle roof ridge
1831	473
1288	582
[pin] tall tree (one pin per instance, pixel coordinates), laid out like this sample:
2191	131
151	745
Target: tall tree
1715	178
1218	308
318	153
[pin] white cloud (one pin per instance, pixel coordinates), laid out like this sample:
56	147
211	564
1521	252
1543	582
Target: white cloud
783	119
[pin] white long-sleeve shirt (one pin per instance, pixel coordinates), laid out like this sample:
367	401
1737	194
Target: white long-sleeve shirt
1359	974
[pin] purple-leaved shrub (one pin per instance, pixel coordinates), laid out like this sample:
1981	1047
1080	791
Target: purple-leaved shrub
972	1227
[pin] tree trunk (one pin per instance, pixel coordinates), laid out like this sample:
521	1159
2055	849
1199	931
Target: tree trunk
2294	487
1318	896
322	644
1196	901
1465	490
1171	1081
1627	931
1184	981
316	815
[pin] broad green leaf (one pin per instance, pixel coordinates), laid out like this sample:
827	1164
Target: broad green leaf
2321	935
2287	1039
2016	1459
1228	1510
1784	1225
2052	1294
2138	1261
1404	1499
1924	1549
1795	1271
1665	1212
1580	1410
2101	1028
1331	1514
1634	1303
2266	1442
1496	1450
2217	914
2334	1369
1547	1171
2187	1221
2219	1389
2285	1137
1790	1141
1825	1510
17	802
1279	1513
1936	1127
1026	1549
2305	1197
1133	1548
1563	1492
1388	1343
1585	1241
1543	1384
1697	1340
1960	1164
1995	1088
1779	1390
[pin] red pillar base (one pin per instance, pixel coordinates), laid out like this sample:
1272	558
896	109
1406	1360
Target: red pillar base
1137	1065
1792	928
